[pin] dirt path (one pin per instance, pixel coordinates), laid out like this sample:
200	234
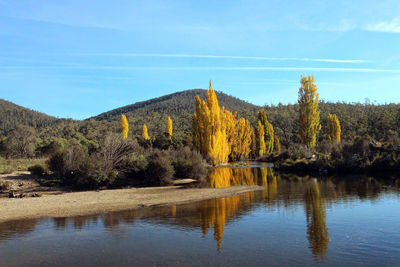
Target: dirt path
92	202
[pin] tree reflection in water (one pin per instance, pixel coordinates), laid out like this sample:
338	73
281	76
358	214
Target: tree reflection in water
279	192
317	231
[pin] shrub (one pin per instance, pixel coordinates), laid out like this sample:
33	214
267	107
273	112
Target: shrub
298	151
159	170
37	170
132	169
189	164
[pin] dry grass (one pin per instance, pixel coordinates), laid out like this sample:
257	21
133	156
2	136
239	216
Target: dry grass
12	165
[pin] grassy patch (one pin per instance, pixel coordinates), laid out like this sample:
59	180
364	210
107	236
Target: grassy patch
11	165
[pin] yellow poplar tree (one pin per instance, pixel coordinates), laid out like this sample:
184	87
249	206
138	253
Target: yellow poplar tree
268	130
230	123
334	129
170	129
308	100
260	139
209	130
124	126
241	148
277	144
145	134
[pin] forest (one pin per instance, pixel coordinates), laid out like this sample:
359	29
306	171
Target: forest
181	134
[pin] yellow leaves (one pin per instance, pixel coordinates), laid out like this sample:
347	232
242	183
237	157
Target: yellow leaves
215	130
308	100
260	139
243	140
145	134
124	126
334	129
268	131
277	144
169	128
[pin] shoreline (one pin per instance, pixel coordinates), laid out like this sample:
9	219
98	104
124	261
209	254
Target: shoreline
95	202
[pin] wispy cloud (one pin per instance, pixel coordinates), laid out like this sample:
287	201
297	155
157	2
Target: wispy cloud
205	68
385	26
61	22
327	60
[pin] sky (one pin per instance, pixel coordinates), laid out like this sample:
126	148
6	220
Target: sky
77	59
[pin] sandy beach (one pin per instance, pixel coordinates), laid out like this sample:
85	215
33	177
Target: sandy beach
93	202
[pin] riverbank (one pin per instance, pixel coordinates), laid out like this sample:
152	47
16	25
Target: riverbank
94	202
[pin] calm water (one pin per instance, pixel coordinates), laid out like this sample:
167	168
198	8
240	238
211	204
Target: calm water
292	221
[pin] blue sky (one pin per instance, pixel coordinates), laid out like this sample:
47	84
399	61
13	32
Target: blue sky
79	58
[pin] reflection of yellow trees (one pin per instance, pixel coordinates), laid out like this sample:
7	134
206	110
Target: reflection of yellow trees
215	213
317	231
224	177
269	180
173	211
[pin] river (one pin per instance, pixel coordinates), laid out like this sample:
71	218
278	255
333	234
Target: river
293	221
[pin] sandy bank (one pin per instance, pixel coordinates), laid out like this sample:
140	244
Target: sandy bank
92	202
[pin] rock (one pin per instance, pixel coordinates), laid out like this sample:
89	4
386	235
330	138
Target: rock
22	195
11	195
36	195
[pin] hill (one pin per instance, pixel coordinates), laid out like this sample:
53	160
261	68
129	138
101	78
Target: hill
12	116
41	134
180	106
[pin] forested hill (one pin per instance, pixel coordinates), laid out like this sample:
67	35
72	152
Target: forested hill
174	105
180	106
356	119
12	116
377	121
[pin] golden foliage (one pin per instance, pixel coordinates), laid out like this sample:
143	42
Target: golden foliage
334	129
317	231
277	144
145	134
124	126
309	124
209	130
260	139
268	131
169	128
217	134
243	140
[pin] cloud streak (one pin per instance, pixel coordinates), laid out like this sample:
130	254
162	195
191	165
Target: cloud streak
327	60
385	26
206	68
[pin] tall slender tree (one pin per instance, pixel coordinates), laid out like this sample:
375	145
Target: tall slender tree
334	129
124	126
169	128
277	144
209	131
145	134
243	140
309	124
268	131
260	139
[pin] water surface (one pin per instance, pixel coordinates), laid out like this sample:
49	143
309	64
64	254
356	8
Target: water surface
292	221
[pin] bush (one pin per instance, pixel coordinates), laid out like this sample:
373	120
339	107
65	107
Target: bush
37	170
159	170
298	151
189	164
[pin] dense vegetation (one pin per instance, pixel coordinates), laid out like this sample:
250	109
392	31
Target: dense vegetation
341	133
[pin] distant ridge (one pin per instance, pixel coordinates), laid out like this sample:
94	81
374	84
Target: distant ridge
13	115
